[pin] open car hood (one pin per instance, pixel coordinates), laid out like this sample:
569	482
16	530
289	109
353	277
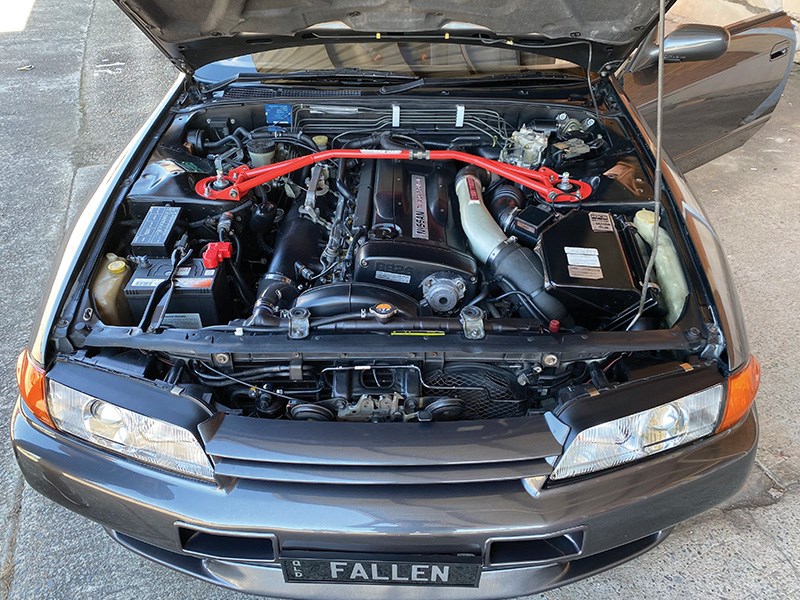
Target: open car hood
193	33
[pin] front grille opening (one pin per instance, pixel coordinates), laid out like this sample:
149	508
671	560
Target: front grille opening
397	550
538	550
249	548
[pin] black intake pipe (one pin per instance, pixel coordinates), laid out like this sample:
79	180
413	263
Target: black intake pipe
297	245
505	202
519	268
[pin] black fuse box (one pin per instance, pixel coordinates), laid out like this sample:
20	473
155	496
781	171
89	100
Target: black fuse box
157	234
201	296
590	268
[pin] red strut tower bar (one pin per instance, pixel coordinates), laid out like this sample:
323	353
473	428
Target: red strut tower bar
551	186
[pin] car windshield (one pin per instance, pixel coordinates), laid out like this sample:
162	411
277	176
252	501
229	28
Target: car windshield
412	58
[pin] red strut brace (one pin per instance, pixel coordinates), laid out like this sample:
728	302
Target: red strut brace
240	180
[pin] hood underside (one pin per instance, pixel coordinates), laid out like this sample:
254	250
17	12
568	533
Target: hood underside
193	33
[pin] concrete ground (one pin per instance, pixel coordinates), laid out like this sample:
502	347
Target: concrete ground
93	81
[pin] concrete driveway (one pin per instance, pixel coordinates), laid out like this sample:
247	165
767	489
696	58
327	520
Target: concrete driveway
93	80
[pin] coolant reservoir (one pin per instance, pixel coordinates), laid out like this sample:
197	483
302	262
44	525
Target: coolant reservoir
669	272
108	290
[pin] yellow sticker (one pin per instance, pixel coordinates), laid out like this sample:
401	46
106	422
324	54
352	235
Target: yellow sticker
419	333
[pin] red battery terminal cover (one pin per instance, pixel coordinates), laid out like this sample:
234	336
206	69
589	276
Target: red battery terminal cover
215	253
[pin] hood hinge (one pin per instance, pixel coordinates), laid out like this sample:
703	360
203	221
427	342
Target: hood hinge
609	68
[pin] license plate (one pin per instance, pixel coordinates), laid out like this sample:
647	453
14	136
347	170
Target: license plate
313	570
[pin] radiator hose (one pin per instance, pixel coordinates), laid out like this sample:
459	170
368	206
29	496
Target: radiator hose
515	267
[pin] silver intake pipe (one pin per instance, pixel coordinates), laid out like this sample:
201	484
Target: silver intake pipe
483	233
515	267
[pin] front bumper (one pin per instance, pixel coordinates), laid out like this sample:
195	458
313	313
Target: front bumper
620	514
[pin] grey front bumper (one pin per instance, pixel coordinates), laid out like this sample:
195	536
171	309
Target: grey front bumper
621	513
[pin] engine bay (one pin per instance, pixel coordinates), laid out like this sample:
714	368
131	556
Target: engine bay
396	218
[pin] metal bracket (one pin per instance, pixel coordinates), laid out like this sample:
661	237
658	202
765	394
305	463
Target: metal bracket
309	207
715	342
296	369
299	323
221	359
472	319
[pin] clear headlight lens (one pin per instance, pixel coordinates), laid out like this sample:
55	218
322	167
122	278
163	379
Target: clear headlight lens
642	434
136	436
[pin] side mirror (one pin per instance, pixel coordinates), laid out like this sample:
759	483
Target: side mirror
688	43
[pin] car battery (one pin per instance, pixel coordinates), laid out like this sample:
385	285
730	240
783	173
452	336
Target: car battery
201	297
594	269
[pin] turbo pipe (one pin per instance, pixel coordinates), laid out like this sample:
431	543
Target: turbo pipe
483	233
515	266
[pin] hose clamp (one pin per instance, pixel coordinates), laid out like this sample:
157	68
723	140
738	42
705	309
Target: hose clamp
507	245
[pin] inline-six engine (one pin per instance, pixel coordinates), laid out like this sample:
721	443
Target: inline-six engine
415	243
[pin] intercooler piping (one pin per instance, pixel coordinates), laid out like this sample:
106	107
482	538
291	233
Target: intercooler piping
298	245
514	266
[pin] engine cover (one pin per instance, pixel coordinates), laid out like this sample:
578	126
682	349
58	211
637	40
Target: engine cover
415	244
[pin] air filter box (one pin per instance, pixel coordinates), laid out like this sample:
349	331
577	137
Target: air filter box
592	267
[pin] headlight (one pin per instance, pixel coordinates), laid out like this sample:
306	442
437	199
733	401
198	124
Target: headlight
642	434
136	436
